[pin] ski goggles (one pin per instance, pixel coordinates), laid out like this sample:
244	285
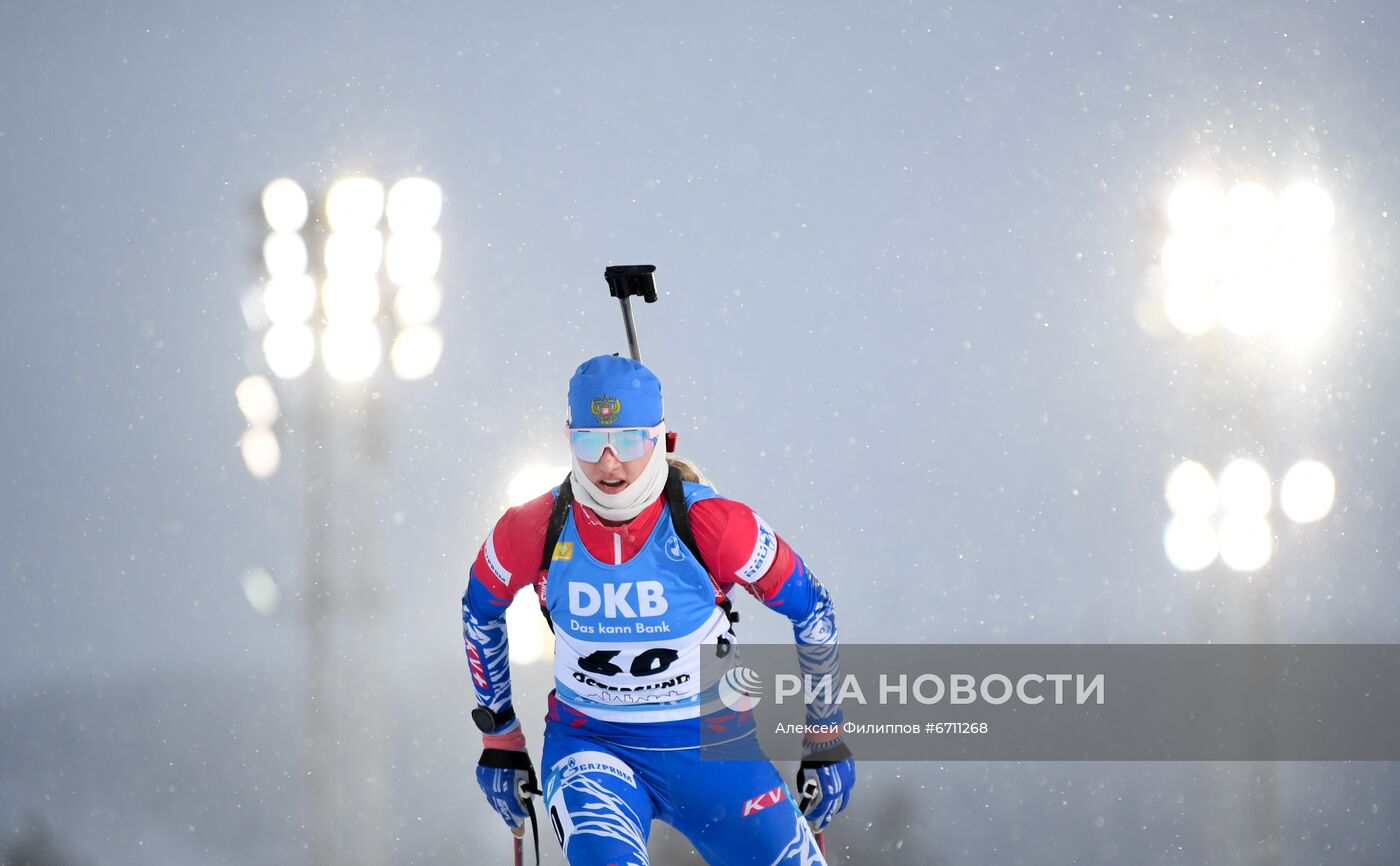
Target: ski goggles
628	443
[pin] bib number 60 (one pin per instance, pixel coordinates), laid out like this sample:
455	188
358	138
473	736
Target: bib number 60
644	664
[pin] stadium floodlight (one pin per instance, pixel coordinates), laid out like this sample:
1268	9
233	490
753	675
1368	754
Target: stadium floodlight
1305	300
1308	491
261	591
1245	489
284	205
261	453
350	350
289	300
335	308
284	254
415	204
350	299
1192	260
413	256
289	350
355	203
416	352
1246	541
1190	542
1190	308
1191	491
1251	210
355	252
1252	261
257	401
1196	208
1247	280
418	303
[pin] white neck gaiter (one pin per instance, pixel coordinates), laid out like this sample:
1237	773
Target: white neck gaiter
634	498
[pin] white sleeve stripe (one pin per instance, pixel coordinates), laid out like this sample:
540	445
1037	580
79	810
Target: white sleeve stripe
494	563
764	548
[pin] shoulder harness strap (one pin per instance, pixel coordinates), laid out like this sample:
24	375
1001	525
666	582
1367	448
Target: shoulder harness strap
563	501
680	516
680	521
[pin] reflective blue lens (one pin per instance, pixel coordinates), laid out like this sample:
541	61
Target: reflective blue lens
628	444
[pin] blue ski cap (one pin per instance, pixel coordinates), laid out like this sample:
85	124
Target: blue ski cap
609	391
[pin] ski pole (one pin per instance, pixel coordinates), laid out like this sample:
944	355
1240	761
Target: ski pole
625	281
525	790
811	790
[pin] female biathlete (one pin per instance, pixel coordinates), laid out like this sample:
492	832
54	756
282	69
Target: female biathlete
636	583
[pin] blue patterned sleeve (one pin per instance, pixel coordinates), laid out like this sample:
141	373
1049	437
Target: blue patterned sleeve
802	598
488	648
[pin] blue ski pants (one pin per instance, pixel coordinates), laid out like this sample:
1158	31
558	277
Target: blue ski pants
601	798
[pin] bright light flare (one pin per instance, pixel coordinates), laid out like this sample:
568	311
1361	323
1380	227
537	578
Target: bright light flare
1303	316
261	453
1191	491
1250	261
418	303
354	252
289	300
1251	210
1190	308
1196	208
289	350
1245	489
416	352
1248	280
1307	210
262	592
1190	542
413	256
415	204
284	205
284	255
1308	492
250	302
530	640
355	203
1246	542
1191	260
533	480
350	350
257	401
350	299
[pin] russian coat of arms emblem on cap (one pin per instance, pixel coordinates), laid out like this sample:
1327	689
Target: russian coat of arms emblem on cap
606	409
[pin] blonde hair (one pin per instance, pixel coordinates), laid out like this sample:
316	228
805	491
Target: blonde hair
689	471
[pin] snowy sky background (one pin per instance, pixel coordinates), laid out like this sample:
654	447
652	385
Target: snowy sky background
900	251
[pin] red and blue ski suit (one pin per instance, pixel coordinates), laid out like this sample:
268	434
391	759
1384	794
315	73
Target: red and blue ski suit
631	608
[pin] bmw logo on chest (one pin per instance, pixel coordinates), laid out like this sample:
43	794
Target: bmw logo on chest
673	549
